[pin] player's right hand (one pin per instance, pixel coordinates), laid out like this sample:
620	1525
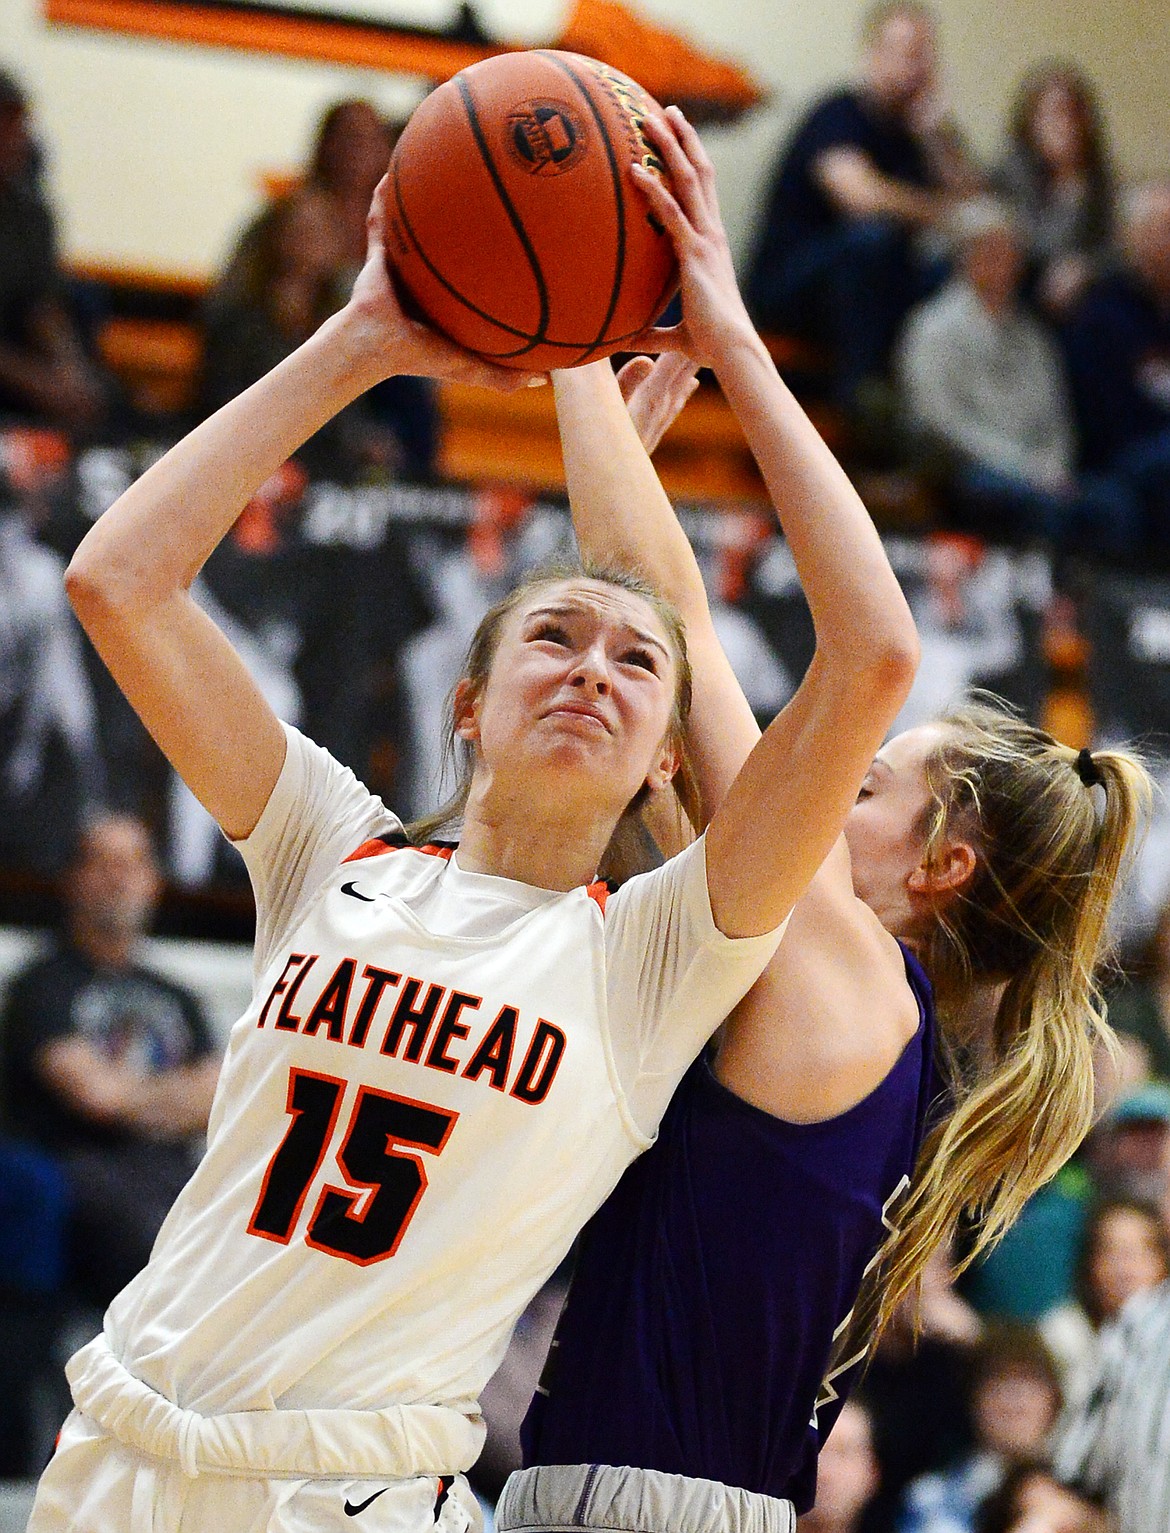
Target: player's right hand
714	315
378	328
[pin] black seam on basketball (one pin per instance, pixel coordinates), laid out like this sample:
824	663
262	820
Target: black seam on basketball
514	217
454	291
618	197
614	342
491	318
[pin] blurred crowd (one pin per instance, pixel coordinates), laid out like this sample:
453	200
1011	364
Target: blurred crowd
1008	326
1001	332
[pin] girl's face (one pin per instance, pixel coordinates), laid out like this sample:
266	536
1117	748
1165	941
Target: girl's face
1057	129
1126	1259
580	695
1013	1412
884	831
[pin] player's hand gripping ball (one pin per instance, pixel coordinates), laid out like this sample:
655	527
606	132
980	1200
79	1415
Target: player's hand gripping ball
513	221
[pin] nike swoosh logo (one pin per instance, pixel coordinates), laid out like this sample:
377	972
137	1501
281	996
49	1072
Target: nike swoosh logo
354	895
349	1509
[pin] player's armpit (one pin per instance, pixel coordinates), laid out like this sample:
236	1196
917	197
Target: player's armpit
831	1014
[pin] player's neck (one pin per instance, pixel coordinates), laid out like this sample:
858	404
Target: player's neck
555	846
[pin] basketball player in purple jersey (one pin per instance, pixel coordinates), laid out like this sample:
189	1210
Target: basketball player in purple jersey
728	1290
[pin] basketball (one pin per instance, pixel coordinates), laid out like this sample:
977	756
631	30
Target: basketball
513	221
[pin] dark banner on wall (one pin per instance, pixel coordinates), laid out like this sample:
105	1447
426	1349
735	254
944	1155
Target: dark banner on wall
353	608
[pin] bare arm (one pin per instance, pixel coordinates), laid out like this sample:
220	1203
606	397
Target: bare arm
858	189
787	805
130	580
172	1104
621	515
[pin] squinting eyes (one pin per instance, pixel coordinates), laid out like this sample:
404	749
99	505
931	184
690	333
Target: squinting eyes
552	633
641	657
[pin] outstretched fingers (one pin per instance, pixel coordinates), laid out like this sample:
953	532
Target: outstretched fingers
376	219
634	373
692	146
663	203
655	393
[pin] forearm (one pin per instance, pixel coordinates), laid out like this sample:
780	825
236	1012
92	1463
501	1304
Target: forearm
621	513
156	538
857	606
859	190
177	1102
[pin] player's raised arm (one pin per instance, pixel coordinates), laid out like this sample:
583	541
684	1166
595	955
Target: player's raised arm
787	805
130	579
621	514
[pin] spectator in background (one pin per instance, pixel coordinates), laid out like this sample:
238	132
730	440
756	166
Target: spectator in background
847	1473
107	1064
917	1387
45	375
1015	1400
868	169
1032	1500
288	279
1033	1268
1127	1149
983	389
393	427
1057	179
1140	1006
1118	347
1116	1446
1126	1250
350	154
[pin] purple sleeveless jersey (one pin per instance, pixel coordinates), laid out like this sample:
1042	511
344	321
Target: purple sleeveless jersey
699	1335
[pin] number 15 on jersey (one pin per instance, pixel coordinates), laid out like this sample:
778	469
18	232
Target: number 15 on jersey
374	1157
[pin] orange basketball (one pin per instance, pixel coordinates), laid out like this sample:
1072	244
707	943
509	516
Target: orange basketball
513	220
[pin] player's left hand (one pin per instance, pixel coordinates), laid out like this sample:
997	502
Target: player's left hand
714	316
378	326
655	392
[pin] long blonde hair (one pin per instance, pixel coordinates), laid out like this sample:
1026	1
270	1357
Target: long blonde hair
1052	830
626	853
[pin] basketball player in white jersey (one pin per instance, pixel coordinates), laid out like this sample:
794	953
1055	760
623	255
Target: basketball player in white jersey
449	1059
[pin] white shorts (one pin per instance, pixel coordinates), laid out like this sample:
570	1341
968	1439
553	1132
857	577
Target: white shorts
131	1461
95	1484
568	1498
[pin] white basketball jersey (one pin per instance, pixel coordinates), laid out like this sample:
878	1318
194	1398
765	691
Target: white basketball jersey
440	1077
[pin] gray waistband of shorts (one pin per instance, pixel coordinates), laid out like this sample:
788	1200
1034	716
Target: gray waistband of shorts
562	1498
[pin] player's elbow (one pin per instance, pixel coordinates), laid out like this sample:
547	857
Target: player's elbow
101	590
890	666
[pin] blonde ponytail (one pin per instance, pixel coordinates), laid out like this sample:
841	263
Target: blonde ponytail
1053	832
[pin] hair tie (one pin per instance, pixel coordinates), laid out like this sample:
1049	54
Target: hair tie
1088	770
